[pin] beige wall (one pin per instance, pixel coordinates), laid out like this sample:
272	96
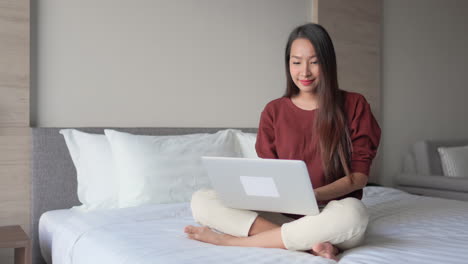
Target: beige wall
14	117
425	62
179	63
355	28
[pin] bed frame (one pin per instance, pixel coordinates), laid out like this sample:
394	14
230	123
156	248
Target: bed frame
53	175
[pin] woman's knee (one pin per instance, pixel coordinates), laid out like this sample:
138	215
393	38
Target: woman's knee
340	221
354	213
203	194
200	202
352	242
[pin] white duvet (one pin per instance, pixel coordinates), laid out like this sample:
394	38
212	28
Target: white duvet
403	228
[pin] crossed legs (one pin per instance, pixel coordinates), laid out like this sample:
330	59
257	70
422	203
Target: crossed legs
249	229
263	233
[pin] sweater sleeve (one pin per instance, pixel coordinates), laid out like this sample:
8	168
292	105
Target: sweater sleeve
265	144
365	137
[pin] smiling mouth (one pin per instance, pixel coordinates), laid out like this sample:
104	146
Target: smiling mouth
306	82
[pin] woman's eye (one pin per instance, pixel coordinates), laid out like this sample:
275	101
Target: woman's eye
314	62
296	62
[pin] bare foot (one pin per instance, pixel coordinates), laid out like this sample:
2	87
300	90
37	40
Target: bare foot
205	234
326	250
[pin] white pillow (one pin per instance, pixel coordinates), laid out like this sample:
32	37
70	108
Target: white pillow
454	161
92	157
247	144
165	169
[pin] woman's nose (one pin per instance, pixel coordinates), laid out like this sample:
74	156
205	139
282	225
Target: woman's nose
305	71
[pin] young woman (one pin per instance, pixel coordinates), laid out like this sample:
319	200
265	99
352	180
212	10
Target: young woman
333	131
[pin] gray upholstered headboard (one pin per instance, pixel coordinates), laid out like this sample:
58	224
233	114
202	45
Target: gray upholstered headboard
53	175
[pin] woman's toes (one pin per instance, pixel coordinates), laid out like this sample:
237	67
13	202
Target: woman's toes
193	229
323	247
330	256
318	247
188	229
326	250
336	251
204	234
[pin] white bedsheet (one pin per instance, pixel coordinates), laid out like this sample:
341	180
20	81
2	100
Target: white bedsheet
403	228
48	223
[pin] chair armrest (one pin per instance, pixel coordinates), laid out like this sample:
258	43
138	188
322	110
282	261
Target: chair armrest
433	181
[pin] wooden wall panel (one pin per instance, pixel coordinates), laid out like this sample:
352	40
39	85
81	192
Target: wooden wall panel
14	65
355	28
14	117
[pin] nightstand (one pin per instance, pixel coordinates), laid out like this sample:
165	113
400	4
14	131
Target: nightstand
15	237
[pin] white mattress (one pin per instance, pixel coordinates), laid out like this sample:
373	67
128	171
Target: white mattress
403	228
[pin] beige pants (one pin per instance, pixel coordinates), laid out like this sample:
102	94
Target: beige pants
341	222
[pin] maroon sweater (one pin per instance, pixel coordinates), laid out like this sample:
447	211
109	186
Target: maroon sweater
285	132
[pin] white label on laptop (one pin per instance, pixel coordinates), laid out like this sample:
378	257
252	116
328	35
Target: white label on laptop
259	186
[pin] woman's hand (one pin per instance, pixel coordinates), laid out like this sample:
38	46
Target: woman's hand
341	187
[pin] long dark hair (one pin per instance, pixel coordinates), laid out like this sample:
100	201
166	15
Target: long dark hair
330	122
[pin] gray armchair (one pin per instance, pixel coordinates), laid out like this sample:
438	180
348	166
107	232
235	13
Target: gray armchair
422	172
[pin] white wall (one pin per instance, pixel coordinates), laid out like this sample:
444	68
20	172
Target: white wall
177	63
425	78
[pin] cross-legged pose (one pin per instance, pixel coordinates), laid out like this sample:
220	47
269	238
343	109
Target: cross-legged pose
333	131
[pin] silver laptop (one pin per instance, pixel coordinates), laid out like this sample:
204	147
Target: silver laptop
272	185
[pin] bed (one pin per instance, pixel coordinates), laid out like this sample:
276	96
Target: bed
403	228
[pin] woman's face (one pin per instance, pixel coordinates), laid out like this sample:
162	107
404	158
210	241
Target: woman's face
304	66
